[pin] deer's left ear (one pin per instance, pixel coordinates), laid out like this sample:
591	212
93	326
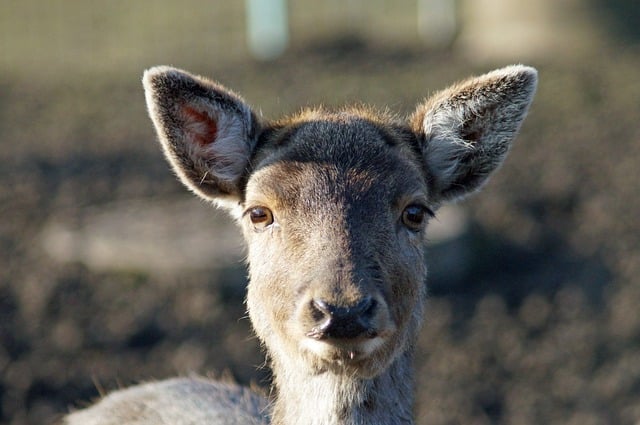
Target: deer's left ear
466	130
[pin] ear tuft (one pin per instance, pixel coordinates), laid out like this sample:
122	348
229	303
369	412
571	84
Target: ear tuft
206	131
468	129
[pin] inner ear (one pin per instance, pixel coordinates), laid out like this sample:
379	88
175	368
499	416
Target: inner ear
198	125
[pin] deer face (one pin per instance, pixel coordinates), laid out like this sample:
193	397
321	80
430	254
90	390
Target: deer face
334	217
334	206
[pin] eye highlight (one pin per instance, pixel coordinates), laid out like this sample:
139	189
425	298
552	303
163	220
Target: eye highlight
414	216
261	217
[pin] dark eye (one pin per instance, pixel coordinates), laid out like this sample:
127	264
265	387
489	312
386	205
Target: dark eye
261	217
414	216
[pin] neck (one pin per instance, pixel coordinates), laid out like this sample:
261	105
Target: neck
329	398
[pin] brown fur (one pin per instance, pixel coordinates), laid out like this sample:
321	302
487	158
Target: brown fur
334	207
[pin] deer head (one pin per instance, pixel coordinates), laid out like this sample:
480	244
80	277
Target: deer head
334	204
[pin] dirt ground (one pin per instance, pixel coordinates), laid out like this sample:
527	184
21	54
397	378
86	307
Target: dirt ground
537	323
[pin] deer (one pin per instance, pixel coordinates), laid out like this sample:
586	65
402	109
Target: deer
333	205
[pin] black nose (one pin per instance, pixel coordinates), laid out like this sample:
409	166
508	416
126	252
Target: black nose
343	322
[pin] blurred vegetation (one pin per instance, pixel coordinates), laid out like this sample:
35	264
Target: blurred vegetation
541	327
621	18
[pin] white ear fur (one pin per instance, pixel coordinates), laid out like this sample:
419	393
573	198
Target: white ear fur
206	131
468	128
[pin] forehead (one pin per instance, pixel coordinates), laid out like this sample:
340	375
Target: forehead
339	156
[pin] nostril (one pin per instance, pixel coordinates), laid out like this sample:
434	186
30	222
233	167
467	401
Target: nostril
367	307
319	310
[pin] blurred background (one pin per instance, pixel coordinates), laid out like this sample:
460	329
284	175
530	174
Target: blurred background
112	274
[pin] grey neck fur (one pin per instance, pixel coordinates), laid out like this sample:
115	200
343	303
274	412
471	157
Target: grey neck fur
328	398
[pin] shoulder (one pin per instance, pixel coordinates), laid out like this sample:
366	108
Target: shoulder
178	401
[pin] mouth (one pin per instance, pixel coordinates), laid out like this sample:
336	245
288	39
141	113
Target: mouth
339	352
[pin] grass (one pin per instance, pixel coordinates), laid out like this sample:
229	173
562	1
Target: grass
70	39
78	38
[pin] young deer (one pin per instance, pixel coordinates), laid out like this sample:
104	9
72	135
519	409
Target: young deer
333	206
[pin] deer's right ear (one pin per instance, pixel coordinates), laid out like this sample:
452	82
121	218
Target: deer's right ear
207	132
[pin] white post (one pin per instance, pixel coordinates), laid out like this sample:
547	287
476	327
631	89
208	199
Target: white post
267	28
437	22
